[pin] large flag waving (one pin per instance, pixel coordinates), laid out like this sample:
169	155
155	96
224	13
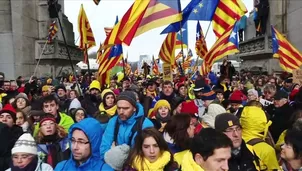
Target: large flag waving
227	44
200	45
167	50
182	37
86	36
110	58
195	10
290	58
143	16
226	14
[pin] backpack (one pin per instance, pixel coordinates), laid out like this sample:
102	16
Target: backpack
255	141
137	127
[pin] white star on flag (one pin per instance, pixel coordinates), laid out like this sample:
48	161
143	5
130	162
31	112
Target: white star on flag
233	35
197	35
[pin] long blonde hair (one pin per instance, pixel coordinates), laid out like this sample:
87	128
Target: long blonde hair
60	131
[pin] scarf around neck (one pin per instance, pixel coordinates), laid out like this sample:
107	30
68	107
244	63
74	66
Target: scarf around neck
158	165
110	112
30	166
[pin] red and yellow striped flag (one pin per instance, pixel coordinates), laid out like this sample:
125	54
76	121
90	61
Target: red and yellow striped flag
289	57
167	50
205	68
227	44
200	45
52	31
226	14
155	66
86	35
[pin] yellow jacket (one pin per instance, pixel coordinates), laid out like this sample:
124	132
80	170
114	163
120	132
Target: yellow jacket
188	163
280	141
254	122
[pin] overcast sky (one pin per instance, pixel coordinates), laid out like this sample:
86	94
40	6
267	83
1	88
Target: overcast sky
149	43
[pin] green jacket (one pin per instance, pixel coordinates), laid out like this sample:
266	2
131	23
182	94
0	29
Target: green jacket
66	122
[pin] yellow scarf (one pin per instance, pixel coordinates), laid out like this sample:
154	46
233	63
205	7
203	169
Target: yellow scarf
153	93
110	112
188	163
158	165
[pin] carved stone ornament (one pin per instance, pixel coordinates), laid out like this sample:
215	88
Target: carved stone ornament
48	50
253	45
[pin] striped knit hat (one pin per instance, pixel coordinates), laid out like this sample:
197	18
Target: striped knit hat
25	144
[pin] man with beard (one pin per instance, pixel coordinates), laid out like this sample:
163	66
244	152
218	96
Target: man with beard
92	100
123	128
64	102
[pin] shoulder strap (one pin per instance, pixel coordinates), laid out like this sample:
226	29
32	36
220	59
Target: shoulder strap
116	129
137	127
255	141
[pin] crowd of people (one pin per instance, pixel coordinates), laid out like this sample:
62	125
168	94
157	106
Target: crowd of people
236	122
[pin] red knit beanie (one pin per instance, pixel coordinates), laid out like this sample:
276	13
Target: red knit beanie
8	108
236	97
189	108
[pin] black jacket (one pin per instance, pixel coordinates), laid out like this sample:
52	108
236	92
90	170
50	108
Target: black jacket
280	118
244	161
5	151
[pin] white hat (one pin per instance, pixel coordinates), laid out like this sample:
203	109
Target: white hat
25	144
253	91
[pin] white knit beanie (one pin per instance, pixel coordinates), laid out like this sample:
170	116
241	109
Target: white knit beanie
213	111
25	144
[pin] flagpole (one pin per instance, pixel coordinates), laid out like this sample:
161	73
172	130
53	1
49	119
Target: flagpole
124	66
67	49
40	57
88	63
182	48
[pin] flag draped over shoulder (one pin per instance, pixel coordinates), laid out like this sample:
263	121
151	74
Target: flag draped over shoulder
289	57
200	45
227	44
167	51
226	14
52	31
143	16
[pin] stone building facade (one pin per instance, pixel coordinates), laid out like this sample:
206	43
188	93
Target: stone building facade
256	52
23	30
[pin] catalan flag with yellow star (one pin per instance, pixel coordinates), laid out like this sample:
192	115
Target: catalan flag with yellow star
289	57
200	45
86	35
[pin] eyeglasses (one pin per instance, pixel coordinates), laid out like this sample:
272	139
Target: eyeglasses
80	142
238	129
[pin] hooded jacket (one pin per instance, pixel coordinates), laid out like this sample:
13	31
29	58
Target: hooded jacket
124	131
94	132
255	125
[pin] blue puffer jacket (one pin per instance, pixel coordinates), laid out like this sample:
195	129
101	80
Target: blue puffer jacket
93	130
124	130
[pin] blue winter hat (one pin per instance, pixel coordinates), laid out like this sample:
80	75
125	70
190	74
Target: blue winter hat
208	94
